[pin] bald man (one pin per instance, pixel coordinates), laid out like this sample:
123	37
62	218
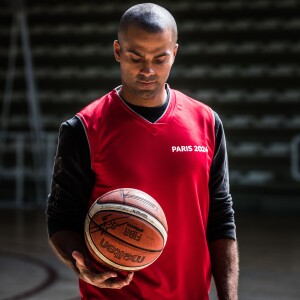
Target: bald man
147	136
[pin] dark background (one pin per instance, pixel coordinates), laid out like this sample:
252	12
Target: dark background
239	57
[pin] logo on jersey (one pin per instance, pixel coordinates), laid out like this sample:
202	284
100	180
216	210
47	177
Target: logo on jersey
190	149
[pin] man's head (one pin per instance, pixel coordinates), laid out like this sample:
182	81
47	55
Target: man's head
150	17
146	49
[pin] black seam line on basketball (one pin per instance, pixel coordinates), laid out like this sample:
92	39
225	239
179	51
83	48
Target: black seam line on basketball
126	194
120	240
121	212
123	195
132	205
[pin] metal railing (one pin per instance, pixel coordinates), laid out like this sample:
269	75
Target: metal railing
295	158
15	146
18	167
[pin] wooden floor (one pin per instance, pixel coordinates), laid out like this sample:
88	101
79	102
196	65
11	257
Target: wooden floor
269	254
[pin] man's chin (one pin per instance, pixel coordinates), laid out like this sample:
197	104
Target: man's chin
144	85
146	93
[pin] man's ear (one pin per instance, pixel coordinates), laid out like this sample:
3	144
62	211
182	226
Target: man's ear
117	50
175	51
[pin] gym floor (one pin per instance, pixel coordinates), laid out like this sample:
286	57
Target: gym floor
269	259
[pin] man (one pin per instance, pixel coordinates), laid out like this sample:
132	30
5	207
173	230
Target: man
148	136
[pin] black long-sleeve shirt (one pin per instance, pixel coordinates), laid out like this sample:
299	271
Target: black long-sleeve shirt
73	180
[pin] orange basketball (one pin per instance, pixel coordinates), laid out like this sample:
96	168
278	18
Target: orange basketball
126	229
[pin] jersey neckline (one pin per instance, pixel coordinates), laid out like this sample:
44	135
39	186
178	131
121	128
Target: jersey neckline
162	119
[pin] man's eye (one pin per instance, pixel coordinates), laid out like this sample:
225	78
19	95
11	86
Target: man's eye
160	60
136	60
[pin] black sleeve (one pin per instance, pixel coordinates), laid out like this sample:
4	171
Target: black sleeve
221	223
72	180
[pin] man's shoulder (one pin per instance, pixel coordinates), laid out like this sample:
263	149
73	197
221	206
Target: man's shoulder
96	105
192	104
181	96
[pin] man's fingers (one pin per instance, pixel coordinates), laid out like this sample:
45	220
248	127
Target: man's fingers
105	276
103	280
129	277
78	257
115	283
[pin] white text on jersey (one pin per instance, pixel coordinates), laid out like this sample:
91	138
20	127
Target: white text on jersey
190	149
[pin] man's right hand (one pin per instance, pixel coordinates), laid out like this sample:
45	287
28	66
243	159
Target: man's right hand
99	279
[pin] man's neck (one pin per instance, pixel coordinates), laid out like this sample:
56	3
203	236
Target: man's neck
151	114
142	99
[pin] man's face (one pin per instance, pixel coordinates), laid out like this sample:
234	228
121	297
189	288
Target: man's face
145	63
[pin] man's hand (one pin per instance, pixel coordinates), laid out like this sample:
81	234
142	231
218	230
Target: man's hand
101	280
65	242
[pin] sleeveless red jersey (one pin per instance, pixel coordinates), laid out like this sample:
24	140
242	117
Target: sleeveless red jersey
170	160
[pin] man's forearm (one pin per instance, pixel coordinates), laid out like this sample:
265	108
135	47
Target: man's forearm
64	243
225	268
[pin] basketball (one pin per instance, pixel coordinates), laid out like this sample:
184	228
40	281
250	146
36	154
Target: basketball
126	230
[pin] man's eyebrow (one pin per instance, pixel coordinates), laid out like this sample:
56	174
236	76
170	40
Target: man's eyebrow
163	54
137	53
134	52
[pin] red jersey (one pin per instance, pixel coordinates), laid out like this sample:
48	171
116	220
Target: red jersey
170	160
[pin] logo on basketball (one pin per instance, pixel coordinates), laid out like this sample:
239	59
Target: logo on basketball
133	233
120	254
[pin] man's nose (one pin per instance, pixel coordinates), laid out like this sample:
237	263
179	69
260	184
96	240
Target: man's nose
147	69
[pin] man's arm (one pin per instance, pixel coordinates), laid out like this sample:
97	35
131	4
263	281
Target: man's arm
225	268
221	230
71	187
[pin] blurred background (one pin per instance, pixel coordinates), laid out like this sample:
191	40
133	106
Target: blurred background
240	57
